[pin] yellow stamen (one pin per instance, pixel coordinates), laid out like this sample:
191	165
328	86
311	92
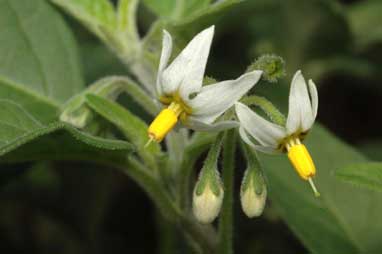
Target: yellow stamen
302	161
164	122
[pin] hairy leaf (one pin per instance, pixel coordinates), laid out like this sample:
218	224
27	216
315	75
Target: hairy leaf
183	29
39	67
132	126
33	50
18	127
59	141
93	13
127	17
163	8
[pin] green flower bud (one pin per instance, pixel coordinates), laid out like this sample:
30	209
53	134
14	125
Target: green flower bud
273	67
208	196
253	193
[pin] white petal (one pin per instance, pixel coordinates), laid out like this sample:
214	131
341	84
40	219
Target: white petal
300	108
187	70
314	96
265	149
165	56
265	132
198	125
213	100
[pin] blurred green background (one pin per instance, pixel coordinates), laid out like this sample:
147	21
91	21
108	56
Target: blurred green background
53	207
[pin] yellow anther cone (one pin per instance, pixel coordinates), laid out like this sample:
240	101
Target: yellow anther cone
302	161
162	124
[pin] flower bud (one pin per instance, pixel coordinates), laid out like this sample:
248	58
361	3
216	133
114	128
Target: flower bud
273	67
208	197
253	193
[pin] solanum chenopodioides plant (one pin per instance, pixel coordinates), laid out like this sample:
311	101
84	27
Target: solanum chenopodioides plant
180	97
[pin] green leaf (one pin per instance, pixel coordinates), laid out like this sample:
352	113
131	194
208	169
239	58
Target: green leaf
132	127
163	8
14	122
39	68
59	141
367	175
183	29
176	9
116	28
365	22
93	13
193	6
18	128
127	10
39	52
343	218
193	23
77	113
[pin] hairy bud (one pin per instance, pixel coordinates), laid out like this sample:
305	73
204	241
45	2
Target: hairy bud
253	194
273	67
208	196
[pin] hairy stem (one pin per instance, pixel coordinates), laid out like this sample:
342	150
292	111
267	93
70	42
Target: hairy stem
272	112
226	217
199	143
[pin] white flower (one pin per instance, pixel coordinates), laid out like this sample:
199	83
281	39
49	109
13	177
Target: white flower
273	138
179	88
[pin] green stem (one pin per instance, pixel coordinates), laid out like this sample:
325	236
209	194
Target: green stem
226	217
167	235
199	143
272	112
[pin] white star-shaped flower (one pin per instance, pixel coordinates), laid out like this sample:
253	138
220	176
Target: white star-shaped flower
273	138
179	88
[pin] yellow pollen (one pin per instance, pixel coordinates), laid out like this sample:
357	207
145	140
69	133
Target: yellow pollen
164	122
302	161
